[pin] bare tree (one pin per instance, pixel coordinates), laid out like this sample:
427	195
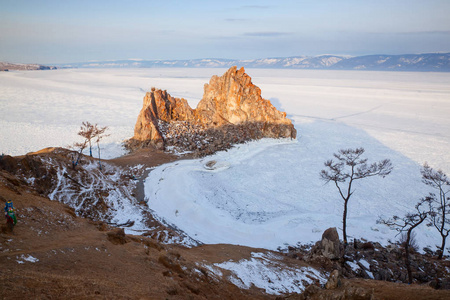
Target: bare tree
91	133
87	131
99	134
80	146
407	224
439	204
348	168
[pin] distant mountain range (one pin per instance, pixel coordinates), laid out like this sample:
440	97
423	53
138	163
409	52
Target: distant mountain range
438	62
428	62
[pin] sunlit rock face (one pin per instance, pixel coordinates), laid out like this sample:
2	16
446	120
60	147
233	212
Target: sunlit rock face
231	111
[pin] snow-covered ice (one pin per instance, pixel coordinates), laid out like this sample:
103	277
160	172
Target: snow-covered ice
45	109
266	193
271	194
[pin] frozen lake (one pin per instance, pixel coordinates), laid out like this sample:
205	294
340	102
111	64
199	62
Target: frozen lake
267	193
408	112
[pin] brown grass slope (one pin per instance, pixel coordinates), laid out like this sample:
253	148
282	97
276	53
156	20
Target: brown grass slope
77	260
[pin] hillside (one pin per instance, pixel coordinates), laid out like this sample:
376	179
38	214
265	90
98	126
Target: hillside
435	62
55	253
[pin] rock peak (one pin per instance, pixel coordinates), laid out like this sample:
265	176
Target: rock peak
231	111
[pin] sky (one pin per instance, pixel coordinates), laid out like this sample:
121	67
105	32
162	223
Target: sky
55	31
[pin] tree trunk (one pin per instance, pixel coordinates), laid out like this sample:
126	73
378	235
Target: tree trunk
441	230
407	262
344	222
99	160
441	253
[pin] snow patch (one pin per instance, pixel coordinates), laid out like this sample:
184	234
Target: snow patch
275	278
23	258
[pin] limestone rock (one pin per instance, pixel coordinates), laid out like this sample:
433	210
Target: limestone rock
231	111
234	99
159	105
334	281
331	244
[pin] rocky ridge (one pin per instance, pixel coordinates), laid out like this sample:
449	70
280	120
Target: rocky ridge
368	260
231	111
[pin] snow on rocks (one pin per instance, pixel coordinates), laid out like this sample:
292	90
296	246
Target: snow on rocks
267	272
26	258
103	195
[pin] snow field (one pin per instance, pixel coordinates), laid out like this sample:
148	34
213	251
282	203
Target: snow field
42	109
270	194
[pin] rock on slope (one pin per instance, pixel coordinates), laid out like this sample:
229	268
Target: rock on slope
231	111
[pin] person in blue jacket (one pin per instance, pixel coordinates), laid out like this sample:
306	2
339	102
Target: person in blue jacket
8	205
9	213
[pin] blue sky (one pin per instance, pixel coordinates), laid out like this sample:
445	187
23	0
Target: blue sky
74	31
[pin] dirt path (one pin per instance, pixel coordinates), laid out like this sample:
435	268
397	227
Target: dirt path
149	158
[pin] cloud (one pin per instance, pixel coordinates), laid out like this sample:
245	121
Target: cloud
236	20
266	33
444	32
429	32
256	6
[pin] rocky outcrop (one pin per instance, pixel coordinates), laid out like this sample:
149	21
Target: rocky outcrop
159	107
371	260
331	246
231	111
334	281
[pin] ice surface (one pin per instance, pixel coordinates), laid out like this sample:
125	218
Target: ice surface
45	109
271	193
267	193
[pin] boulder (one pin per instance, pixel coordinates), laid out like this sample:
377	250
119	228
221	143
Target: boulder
331	246
334	281
117	236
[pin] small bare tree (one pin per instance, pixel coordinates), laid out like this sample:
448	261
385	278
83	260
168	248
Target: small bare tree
348	168
87	130
91	133
407	224
99	134
439	204
79	147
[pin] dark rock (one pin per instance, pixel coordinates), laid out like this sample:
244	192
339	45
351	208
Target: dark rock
117	236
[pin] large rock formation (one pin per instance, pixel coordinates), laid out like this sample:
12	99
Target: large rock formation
231	111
